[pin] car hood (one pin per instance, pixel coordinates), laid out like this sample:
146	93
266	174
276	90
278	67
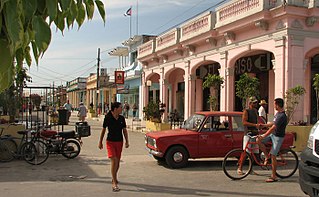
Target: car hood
170	133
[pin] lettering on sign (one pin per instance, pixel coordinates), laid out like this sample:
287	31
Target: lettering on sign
253	64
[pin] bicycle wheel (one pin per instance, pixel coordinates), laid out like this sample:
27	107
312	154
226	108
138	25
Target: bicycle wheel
231	164
11	148
287	163
5	154
35	152
71	148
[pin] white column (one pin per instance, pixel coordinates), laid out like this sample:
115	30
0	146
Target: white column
187	91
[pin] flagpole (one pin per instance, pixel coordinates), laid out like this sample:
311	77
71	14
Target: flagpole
131	25
136	17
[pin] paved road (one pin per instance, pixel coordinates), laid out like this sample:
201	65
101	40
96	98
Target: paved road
140	175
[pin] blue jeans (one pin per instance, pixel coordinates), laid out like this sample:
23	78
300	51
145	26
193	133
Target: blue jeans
276	143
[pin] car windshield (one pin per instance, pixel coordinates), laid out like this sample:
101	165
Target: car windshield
193	122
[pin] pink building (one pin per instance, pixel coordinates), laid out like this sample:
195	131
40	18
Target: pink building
275	40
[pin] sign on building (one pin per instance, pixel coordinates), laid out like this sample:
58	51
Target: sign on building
119	77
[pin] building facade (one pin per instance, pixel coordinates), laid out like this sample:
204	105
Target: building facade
276	41
76	91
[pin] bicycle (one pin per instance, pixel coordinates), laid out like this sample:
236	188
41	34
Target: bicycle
32	150
287	161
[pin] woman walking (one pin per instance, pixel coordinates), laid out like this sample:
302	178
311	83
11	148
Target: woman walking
114	142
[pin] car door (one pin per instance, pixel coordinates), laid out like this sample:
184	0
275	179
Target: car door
215	137
237	131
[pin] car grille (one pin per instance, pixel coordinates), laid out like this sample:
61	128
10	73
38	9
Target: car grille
317	146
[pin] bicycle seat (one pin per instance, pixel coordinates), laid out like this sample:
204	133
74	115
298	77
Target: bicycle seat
24	132
49	133
67	134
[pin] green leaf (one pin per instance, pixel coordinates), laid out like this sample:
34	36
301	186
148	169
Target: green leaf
29	9
13	23
6	65
41	7
35	52
42	33
65	5
52	7
19	56
100	7
81	14
59	21
89	8
27	55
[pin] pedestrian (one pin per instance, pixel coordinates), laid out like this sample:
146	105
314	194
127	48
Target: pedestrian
262	111
275	134
250	122
134	110
30	107
82	112
126	109
68	107
114	142
99	108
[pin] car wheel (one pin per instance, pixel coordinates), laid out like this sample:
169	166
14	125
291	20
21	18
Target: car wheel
176	157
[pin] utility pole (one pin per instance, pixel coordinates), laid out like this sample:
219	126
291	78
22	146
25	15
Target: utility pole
97	79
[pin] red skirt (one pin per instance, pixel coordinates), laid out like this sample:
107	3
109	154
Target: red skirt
114	149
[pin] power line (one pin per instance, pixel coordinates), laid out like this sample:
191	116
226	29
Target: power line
179	15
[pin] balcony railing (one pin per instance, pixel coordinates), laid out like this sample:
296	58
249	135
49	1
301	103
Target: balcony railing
167	39
197	26
146	48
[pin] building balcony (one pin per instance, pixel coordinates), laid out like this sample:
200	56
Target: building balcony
146	49
167	39
197	26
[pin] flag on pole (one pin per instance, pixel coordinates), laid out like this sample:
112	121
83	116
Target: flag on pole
128	12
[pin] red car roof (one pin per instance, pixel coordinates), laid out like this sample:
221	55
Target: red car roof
220	113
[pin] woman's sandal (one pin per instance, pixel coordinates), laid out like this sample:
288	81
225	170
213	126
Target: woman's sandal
115	189
271	180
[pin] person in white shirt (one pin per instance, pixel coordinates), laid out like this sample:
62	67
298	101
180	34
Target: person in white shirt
68	107
262	110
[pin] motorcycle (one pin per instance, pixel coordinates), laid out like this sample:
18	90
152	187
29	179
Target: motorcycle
62	142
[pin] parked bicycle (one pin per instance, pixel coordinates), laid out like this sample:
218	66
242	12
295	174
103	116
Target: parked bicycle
287	161
29	148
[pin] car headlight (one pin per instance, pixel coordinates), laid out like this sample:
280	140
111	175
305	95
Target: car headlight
150	141
311	136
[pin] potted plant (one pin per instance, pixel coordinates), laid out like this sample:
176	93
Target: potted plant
292	99
213	82
246	87
153	113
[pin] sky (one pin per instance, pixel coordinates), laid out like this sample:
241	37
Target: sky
74	53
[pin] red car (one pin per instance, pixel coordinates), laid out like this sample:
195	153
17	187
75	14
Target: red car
203	135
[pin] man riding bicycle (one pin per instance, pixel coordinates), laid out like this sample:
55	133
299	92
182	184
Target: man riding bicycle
275	134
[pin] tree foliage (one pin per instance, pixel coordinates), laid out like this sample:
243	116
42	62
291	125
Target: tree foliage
25	29
292	97
213	82
247	87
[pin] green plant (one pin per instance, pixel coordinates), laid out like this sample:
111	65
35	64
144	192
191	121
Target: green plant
247	87
25	24
213	82
316	87
292	99
152	111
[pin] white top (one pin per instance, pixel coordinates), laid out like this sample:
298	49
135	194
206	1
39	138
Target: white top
68	106
82	110
262	112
